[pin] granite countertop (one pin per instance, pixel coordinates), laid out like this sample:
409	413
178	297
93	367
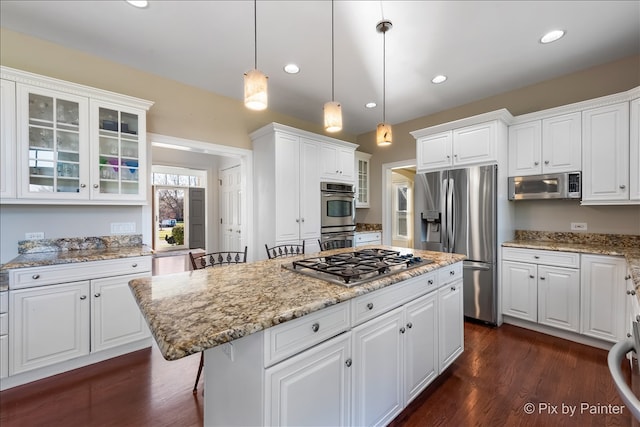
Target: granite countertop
627	246
193	311
362	227
39	253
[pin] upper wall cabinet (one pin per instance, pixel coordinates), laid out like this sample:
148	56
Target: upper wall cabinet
550	145
337	162
605	154
362	163
473	141
634	150
75	144
7	139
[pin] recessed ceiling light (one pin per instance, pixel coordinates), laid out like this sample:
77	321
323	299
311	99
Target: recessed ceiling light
291	69
370	105
438	79
552	36
138	3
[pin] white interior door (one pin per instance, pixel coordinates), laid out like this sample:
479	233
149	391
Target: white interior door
230	208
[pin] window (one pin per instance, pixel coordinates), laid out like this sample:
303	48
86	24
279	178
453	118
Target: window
402	211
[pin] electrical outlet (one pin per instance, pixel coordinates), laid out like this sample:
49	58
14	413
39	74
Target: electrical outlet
34	235
228	349
123	227
579	226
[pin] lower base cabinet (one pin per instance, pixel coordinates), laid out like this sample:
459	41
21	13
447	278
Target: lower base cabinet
388	348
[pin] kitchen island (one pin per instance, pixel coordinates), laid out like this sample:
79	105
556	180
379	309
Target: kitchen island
280	346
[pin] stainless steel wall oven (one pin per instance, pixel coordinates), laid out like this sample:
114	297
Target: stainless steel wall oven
338	213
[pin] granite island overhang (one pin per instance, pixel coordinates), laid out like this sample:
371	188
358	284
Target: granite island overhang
193	311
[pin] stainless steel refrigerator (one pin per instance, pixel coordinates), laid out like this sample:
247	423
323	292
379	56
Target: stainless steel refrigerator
455	211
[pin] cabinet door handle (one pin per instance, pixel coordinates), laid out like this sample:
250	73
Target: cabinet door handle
622	187
298	220
546	162
35	276
315	327
301	219
348	363
536	163
532	276
628	335
83	185
95	186
542	278
97	295
83	297
409	325
402	330
370	306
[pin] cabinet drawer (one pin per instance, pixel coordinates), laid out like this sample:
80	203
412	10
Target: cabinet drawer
371	305
4	323
38	276
368	238
535	256
4	302
292	337
450	273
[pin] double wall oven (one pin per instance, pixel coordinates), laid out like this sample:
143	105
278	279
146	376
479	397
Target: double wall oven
338	204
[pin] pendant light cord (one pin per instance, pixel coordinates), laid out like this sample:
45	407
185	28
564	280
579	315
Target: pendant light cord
384	75
332	57
255	34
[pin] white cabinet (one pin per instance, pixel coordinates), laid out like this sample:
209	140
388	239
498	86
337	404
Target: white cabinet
634	151
115	316
550	145
313	385
4	334
367	238
7	139
74	144
605	154
603	303
542	286
287	195
92	307
337	163
475	140
48	325
451	315
362	163
476	144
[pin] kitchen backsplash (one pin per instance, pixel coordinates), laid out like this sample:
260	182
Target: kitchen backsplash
360	226
79	243
619	240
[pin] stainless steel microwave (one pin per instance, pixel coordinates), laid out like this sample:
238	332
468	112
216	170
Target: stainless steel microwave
567	185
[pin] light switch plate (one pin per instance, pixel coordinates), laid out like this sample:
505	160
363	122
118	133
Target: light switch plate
35	235
123	227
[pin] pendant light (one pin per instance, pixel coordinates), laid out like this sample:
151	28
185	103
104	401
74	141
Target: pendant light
333	109
383	131
255	82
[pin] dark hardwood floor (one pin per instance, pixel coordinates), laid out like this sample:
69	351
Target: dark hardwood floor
501	370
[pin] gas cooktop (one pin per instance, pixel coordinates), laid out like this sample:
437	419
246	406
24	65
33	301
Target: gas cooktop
357	267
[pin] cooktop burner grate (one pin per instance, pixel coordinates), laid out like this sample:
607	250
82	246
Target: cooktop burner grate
356	267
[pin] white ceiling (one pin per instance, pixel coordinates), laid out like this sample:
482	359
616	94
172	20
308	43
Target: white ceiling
484	47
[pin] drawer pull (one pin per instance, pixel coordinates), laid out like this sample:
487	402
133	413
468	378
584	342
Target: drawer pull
134	265
451	273
409	325
532	277
542	278
453	288
402	330
536	257
628	335
348	363
430	281
627	277
315	327
83	297
97	295
622	187
631	292
35	276
370	306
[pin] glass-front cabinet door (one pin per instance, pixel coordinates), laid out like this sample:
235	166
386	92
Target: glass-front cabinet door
53	130
119	152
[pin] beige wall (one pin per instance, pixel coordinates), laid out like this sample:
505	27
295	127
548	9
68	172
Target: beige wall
602	80
179	110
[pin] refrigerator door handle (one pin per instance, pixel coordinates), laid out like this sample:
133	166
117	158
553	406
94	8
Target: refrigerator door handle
450	216
445	218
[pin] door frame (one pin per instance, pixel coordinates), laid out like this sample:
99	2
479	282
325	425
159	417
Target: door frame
387	188
246	163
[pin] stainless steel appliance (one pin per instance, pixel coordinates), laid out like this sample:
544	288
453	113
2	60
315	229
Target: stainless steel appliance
550	186
338	213
455	211
357	267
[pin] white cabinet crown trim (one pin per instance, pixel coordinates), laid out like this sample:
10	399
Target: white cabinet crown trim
503	115
37	80
277	127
